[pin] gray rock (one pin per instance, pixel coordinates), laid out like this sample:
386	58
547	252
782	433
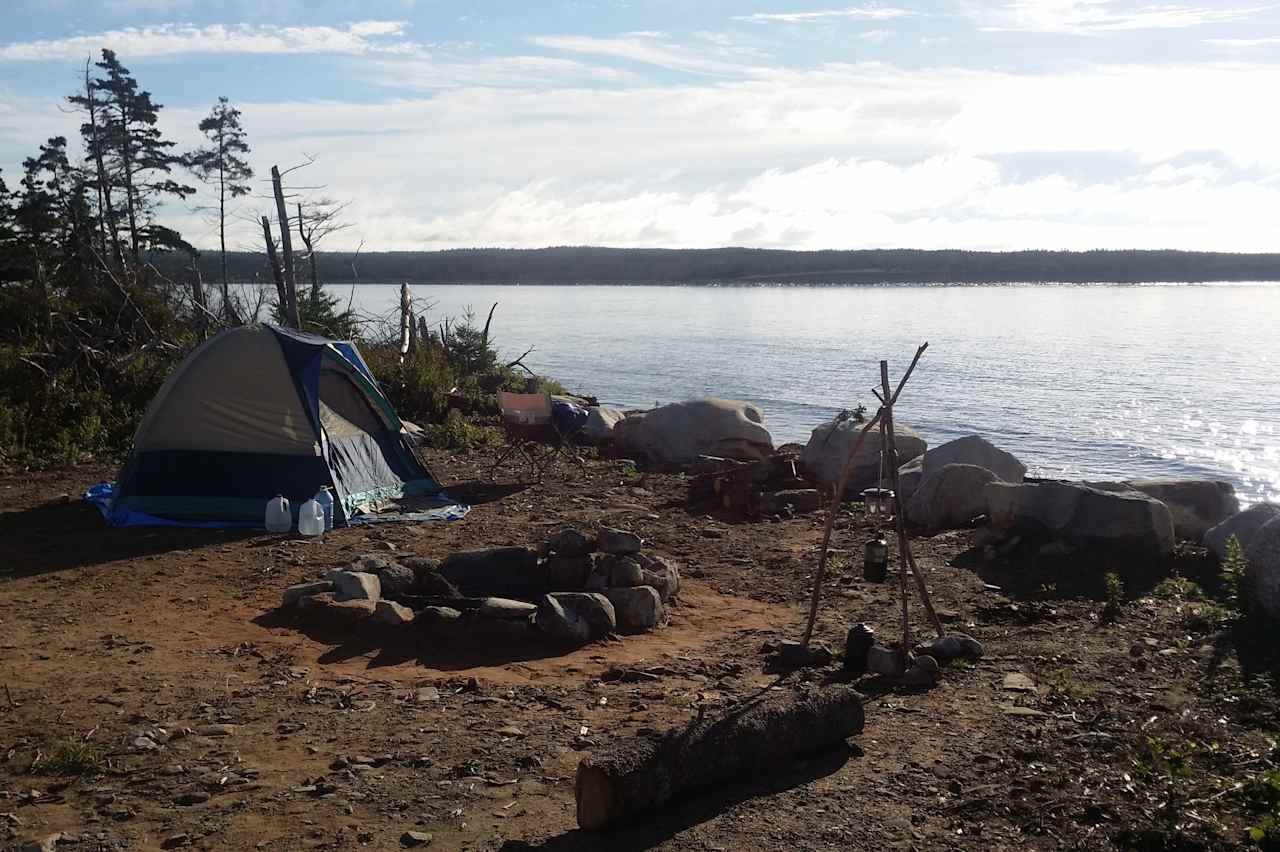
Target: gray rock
1084	516
506	608
391	614
290	596
638	609
680	432
570	542
326	608
508	571
661	573
949	497
1263	573
396	580
1242	525
1195	504
576	616
619	541
977	451
568	573
415	838
600	422
441	620
355	586
371	563
621	570
828	445
798	499
952	646
909	476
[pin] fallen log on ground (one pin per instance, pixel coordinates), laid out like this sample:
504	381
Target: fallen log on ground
641	773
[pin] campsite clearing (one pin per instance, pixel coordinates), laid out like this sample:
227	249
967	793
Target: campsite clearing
152	691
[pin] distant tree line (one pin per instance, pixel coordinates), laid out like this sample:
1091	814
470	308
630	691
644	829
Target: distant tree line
744	266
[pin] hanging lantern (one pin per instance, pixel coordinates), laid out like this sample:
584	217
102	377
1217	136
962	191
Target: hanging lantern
879	501
875	561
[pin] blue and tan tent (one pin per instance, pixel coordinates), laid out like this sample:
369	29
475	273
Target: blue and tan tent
259	411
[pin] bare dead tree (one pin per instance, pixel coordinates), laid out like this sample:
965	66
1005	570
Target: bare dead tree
286	245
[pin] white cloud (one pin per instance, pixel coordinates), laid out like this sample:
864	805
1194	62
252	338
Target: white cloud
878	36
1244	43
841	155
871	13
1094	17
360	38
648	51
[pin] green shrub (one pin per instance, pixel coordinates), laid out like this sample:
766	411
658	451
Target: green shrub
455	433
1113	596
71	757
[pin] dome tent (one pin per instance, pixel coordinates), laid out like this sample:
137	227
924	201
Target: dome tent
258	411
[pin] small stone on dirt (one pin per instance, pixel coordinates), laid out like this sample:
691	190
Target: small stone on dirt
415	838
355	586
1018	682
426	695
175	841
192	797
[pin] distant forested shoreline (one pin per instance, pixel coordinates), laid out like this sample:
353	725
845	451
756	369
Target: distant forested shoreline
742	266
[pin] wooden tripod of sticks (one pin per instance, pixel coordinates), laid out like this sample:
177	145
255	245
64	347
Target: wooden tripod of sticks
906	562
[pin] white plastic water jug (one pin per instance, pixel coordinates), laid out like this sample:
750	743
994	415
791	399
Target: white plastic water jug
278	519
310	519
325	499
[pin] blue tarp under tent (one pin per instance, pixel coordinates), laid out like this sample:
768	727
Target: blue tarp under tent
259	411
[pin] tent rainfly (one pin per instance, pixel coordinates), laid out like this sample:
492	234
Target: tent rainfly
259	411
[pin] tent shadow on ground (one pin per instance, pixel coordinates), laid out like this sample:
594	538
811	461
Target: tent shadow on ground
649	830
476	492
394	646
67	534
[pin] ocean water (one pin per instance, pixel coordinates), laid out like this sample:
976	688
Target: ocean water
1078	381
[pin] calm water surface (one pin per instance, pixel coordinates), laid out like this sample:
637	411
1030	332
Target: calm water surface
1096	381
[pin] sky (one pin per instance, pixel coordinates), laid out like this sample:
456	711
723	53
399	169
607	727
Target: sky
1043	124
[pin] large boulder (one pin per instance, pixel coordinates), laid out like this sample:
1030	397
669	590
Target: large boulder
828	445
638	609
507	571
978	451
1243	525
971	450
949	497
575	616
1196	504
1084	516
680	432
1263	573
600	422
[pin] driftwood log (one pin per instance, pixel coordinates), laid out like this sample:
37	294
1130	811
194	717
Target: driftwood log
638	774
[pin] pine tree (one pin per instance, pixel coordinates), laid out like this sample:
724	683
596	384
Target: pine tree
135	150
223	164
93	104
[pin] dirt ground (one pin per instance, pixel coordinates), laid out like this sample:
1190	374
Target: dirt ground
153	697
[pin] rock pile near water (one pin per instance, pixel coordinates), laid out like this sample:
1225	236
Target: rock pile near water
575	587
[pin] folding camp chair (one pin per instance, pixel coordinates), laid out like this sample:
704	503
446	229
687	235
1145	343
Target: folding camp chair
531	431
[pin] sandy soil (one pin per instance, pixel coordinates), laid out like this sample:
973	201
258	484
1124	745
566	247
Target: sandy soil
213	721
